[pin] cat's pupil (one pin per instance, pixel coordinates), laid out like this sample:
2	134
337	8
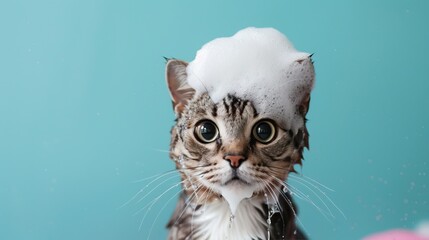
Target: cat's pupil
207	131
264	131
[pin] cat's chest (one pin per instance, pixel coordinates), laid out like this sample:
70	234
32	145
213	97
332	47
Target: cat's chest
215	222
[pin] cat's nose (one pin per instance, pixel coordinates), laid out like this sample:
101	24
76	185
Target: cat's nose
234	160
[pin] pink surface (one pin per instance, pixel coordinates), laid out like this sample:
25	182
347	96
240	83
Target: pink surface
396	235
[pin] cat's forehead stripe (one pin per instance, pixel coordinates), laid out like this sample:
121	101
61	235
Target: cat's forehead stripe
214	110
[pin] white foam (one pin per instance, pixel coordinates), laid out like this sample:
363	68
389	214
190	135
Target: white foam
257	64
234	193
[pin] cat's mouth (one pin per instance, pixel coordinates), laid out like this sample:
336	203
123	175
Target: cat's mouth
235	178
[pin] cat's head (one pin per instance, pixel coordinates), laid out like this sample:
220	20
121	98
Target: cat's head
228	145
240	107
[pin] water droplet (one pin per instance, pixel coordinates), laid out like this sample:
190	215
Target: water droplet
294	232
231	220
181	160
269	215
285	189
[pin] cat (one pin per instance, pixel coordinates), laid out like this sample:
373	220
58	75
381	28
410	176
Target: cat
227	148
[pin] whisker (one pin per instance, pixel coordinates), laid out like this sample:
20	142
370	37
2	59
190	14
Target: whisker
160	211
155	201
157	176
271	188
316	182
147	185
324	194
188	202
193	213
207	192
196	174
288	201
153	189
302	196
161	150
160	175
156	198
317	195
306	198
193	168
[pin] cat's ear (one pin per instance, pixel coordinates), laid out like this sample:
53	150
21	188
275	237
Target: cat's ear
300	139
305	105
180	91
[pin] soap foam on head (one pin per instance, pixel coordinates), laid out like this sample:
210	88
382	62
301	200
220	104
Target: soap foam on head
256	64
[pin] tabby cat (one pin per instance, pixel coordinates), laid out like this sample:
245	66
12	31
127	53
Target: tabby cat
230	143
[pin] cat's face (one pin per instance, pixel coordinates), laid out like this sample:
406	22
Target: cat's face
218	145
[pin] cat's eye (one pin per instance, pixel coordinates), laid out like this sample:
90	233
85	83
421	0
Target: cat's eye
264	131
206	131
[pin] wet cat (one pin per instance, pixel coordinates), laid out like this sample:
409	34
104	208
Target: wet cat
234	149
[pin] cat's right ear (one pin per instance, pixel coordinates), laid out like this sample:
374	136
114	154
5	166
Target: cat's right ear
181	92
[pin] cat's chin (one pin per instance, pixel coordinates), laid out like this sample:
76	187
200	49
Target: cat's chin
234	191
235	181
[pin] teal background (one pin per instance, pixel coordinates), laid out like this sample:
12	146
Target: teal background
85	114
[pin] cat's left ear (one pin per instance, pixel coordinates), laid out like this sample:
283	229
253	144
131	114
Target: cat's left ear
181	92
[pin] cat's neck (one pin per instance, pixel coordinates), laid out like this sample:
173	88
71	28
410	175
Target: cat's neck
255	218
215	221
